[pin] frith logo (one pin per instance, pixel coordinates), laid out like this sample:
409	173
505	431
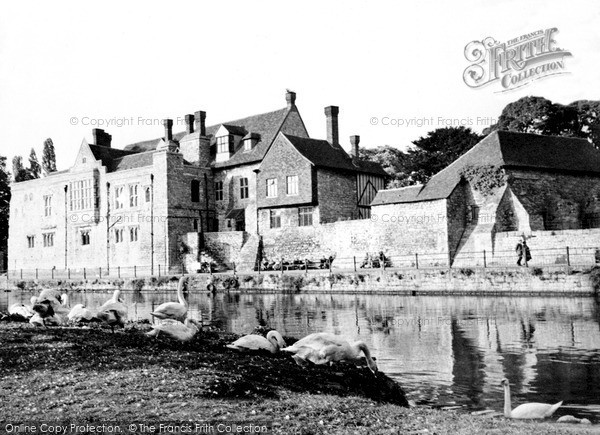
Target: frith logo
515	63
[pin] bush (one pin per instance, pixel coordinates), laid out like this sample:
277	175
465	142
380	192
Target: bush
138	284
595	278
537	271
467	271
21	285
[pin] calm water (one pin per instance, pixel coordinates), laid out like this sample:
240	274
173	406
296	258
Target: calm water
443	350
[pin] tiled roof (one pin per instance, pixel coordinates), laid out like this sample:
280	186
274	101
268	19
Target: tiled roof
322	154
393	196
137	160
506	149
267	125
107	154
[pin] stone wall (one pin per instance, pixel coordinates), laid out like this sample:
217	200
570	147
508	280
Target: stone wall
397	230
555	201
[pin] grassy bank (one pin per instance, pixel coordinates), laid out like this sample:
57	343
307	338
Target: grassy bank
91	375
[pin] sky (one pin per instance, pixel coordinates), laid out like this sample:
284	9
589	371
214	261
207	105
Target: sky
68	67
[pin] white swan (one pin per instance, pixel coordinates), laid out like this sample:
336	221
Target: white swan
273	343
22	311
79	313
323	347
37	320
113	312
175	329
526	410
173	310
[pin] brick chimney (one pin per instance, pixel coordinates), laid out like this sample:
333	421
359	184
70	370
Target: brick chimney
101	138
331	113
168	123
354	141
290	98
189	124
200	118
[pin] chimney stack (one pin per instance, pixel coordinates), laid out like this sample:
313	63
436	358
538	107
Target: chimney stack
331	112
168	123
290	98
101	138
201	122
354	141
189	124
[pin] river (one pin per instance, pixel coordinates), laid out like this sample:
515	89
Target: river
443	350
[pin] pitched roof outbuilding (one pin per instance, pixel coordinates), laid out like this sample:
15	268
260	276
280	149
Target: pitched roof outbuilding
508	150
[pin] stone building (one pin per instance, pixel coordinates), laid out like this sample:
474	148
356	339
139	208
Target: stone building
509	182
148	204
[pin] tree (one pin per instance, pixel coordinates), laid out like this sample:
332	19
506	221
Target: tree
541	116
19	171
437	150
392	160
4	204
48	157
35	170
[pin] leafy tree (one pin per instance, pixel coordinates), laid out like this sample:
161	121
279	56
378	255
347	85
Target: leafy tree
4	204
35	170
437	150
19	171
392	160
48	157
541	116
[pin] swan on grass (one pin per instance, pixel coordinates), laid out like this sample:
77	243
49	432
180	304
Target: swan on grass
175	329
173	310
273	343
79	314
21	311
526	410
323	347
113	311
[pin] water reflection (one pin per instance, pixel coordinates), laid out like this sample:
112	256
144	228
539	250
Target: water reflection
442	349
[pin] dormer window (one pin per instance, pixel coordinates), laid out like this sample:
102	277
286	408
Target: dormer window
250	141
224	143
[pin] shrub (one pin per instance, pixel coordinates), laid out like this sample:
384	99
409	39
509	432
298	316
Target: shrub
21	285
466	271
537	271
138	284
595	278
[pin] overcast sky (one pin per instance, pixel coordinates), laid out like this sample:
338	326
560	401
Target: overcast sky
67	65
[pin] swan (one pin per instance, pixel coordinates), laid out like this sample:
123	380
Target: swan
272	343
173	310
21	311
113	311
36	320
526	410
79	313
323	347
175	329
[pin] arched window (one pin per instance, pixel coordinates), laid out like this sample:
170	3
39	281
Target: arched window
195	191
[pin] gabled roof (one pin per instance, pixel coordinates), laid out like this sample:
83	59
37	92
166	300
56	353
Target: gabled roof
267	125
107	154
508	150
322	154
